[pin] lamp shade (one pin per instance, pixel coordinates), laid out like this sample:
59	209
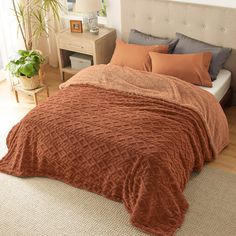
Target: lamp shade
87	6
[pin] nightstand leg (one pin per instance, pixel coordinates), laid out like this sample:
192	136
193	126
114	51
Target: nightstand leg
16	95
35	99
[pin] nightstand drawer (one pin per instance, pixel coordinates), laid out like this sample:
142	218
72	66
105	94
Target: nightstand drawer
82	47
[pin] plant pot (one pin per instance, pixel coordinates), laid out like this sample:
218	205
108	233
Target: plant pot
29	83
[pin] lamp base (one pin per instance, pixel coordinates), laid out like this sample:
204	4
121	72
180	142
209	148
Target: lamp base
94	31
90	22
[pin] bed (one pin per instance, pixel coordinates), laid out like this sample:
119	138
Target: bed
131	136
164	18
221	87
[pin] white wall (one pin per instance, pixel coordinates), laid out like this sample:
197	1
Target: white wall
114	15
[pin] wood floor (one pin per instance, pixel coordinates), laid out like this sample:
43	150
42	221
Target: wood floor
11	112
227	159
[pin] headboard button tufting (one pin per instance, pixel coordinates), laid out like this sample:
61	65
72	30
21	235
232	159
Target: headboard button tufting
222	29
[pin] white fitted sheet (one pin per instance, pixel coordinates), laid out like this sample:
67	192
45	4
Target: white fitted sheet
221	85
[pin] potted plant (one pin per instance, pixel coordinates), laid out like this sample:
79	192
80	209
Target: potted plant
26	66
33	17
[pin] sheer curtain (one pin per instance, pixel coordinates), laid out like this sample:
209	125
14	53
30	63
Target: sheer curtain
48	44
10	40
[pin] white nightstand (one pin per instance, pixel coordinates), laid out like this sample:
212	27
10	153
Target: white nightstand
100	47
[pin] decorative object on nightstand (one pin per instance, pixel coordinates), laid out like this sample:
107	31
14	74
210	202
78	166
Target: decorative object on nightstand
89	8
99	48
80	61
76	26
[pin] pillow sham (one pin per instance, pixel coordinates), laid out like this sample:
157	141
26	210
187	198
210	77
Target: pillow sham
135	56
187	45
192	68
137	37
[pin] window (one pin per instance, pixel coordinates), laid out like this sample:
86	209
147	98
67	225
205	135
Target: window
71	7
103	11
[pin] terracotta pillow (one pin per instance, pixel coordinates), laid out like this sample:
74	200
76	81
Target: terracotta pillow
192	68
135	56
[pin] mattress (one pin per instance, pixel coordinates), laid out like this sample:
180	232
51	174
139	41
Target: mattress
221	85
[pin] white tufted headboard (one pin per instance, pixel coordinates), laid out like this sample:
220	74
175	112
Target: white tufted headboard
215	25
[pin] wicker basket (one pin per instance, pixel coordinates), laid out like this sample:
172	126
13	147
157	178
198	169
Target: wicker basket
29	83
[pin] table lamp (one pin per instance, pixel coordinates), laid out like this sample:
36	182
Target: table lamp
89	8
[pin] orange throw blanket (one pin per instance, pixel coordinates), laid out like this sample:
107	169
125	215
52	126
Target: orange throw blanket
131	136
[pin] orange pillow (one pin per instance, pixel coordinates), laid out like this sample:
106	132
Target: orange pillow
192	68
135	56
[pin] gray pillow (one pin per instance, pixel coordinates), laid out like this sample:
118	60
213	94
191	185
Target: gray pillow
187	45
137	37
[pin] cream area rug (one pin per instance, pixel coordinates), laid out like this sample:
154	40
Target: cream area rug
39	206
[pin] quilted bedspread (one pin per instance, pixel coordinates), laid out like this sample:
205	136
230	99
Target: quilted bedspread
130	136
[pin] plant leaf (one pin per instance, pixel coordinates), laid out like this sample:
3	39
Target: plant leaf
23	53
27	69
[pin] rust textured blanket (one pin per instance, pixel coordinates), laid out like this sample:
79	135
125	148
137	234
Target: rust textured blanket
131	136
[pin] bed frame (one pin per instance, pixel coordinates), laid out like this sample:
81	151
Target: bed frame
226	101
212	24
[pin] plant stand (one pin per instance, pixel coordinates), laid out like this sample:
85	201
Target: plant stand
32	93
